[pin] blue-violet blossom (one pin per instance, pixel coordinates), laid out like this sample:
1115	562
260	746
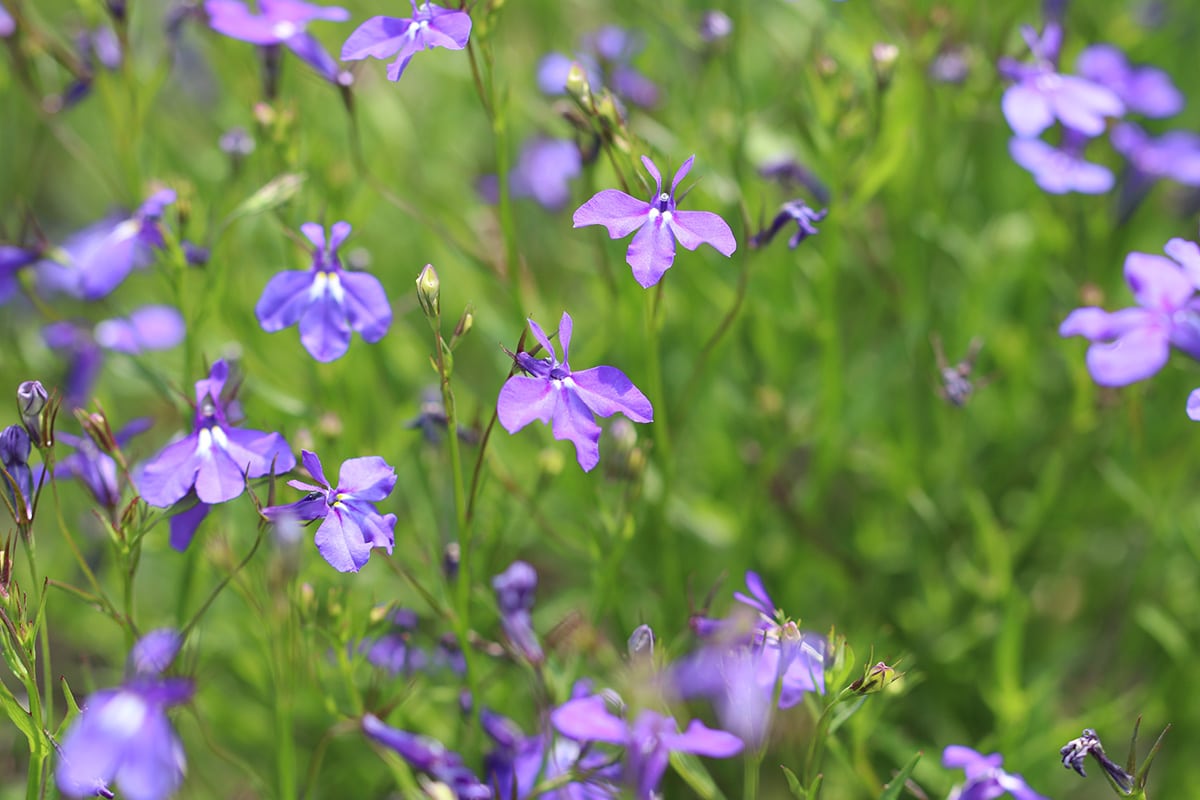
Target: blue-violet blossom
985	779
1062	169
430	26
515	589
553	394
281	22
429	756
1144	90
658	224
351	525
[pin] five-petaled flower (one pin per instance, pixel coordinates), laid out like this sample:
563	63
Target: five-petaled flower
430	26
658	224
281	22
1134	343
985	779
351	524
326	300
552	393
123	734
214	461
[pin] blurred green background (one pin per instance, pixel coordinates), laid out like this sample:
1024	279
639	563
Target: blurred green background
1029	560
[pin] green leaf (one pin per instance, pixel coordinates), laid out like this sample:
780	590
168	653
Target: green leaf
695	775
896	785
794	784
20	718
273	194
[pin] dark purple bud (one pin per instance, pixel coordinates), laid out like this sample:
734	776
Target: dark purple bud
116	8
31	401
1076	751
451	557
195	255
14	455
515	588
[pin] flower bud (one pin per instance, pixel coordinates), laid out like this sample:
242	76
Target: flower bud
875	679
95	425
465	322
32	399
883	62
429	290
641	643
577	86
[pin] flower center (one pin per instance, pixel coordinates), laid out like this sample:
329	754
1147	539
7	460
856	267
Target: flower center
663	202
285	29
558	374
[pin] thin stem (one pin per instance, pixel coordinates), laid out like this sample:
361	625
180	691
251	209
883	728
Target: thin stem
224	582
669	542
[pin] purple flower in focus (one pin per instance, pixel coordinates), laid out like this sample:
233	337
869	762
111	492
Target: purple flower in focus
796	211
429	756
648	741
123	736
351	524
96	470
1144	90
213	461
1134	343
326	300
985	779
281	22
1040	94
430	26
1062	169
553	394
515	589
96	259
605	56
657	223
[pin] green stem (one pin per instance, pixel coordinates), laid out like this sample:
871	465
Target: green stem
224	582
669	541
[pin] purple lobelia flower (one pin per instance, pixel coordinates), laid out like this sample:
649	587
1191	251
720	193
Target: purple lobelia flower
123	737
544	170
553	394
796	211
429	756
1174	155
515	589
213	462
1062	169
1040	94
7	25
1134	343
430	26
605	55
96	470
12	260
281	22
96	259
351	524
326	300
519	763
658	224
1144	90
648	741
15	448
985	779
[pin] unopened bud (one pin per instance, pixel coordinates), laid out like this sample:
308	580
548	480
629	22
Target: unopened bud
578	87
641	643
883	62
429	290
95	425
876	679
32	398
465	322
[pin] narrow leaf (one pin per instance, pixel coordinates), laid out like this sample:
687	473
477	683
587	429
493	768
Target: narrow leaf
896	785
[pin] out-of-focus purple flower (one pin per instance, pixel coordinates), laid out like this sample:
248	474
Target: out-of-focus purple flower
1174	155
351	525
715	25
8	25
12	260
100	45
658	224
790	172
950	66
1062	169
213	461
544	170
281	22
605	56
122	736
429	756
430	26
553	394
1041	94
521	762
96	470
515	589
1134	343
796	211
396	651
326	300
985	779
147	328
96	259
1144	90
15	448
648	741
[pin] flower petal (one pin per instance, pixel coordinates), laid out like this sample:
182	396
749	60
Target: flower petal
340	541
184	524
167	478
284	299
1135	356
324	329
1026	109
607	391
256	452
653	170
367	306
1193	405
1157	282
543	340
681	173
573	421
378	37
312	463
565	327
1187	254
587	719
693	228
449	30
368	478
704	741
524	399
620	213
651	252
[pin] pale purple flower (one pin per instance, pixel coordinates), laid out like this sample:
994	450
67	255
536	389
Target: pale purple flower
515	589
1174	155
553	394
430	26
658	224
351	525
98	258
605	56
648	741
1041	94
1144	90
429	756
280	22
544	170
7	24
214	461
985	779
96	470
1062	169
122	736
1134	343
326	300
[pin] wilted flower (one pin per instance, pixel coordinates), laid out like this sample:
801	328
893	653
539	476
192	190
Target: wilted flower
796	211
1076	751
430	26
553	394
658	223
1134	343
985	779
123	736
351	524
326	300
